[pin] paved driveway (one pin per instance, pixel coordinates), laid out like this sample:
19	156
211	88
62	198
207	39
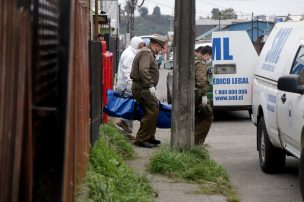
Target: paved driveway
232	143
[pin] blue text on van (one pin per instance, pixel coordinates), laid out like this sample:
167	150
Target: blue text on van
273	54
217	45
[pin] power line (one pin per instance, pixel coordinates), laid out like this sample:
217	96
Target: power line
214	4
161	4
140	5
236	11
108	6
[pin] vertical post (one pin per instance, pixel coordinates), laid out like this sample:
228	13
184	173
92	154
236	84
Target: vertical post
133	4
252	27
171	22
96	20
219	21
95	65
182	133
257	28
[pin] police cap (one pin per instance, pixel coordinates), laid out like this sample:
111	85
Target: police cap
159	39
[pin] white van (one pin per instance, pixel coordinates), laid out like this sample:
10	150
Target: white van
278	100
231	76
233	60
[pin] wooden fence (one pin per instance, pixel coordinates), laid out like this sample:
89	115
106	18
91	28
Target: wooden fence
44	99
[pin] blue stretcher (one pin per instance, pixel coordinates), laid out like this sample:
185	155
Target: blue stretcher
125	106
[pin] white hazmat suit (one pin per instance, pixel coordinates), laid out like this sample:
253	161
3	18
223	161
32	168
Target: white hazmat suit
124	82
125	65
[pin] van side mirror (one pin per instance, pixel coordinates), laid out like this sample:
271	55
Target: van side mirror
168	65
290	83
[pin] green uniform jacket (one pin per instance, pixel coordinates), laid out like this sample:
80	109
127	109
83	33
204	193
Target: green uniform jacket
201	78
144	69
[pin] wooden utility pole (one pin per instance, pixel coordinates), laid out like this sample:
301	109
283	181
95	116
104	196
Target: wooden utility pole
96	21
133	5
182	133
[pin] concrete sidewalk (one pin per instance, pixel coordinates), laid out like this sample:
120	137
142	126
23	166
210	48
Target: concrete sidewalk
166	189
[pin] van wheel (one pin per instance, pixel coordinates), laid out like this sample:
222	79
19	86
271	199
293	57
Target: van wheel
271	159
301	174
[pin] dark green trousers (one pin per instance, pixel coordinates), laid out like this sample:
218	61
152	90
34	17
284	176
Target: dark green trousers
203	120
149	103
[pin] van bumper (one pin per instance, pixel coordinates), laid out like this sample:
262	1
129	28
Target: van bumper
231	107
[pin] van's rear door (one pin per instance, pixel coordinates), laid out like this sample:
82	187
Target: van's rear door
234	58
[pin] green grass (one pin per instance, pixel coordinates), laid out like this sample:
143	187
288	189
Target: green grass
116	141
109	178
194	165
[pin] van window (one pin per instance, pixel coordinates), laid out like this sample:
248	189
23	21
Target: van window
298	64
225	69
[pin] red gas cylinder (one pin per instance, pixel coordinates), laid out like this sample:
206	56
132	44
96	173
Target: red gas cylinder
107	73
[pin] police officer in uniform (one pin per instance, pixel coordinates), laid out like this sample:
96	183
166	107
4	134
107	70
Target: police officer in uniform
203	111
124	81
145	76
